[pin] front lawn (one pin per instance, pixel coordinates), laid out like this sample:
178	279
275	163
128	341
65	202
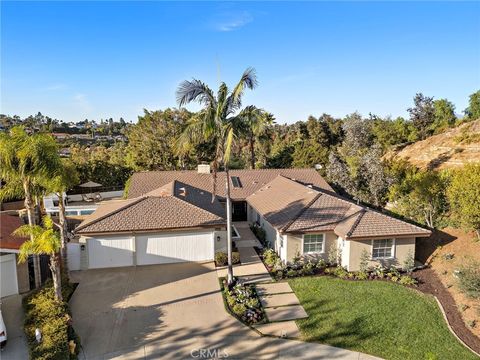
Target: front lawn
375	317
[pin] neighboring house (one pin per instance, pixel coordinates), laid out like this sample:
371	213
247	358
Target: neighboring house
169	216
18	278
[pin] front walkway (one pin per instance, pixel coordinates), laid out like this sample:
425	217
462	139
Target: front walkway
280	303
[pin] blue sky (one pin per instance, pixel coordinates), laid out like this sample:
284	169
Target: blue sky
77	60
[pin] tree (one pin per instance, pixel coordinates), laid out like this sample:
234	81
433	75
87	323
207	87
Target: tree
216	122
464	197
25	161
473	109
151	141
66	177
256	123
44	240
422	114
444	115
421	196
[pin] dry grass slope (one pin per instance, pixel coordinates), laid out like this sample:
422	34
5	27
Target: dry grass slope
451	149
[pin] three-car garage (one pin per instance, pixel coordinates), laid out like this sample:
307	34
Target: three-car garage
147	249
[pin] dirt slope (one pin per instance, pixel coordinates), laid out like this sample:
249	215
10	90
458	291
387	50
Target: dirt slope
451	149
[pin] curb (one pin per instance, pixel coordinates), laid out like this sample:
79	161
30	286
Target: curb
451	329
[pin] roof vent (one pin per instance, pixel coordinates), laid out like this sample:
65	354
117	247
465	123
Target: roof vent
183	192
203	169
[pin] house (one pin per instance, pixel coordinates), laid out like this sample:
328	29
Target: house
18	278
172	216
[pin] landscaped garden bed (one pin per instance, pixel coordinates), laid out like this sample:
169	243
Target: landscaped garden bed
53	318
375	317
242	301
308	267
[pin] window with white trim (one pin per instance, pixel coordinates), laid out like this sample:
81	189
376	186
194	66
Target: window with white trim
313	243
382	249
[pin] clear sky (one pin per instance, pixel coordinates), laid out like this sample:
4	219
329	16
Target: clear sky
77	60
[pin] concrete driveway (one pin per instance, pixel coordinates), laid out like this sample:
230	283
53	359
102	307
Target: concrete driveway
12	313
124	308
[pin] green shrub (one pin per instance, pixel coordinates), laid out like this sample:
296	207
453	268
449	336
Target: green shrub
340	272
221	258
270	257
361	275
407	280
260	234
242	300
308	268
292	273
53	319
469	279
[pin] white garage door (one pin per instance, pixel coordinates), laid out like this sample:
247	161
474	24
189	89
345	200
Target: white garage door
8	275
110	252
174	247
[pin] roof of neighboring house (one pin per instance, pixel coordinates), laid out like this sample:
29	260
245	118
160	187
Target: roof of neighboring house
249	180
173	206
292	207
8	224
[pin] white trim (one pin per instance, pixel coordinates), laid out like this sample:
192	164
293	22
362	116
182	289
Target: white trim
314	252
386	257
9	251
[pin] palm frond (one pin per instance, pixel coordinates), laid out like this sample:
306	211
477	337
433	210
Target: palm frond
248	80
228	146
194	90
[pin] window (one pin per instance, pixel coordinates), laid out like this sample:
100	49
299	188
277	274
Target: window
86	212
382	248
313	243
236	182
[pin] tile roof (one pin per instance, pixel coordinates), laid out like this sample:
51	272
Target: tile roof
173	206
250	180
293	207
8	224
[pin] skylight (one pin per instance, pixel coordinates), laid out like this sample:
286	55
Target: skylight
236	181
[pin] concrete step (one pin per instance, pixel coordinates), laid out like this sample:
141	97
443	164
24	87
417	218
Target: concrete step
274	288
279	300
255	278
286	313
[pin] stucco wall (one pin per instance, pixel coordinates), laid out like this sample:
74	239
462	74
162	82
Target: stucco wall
401	250
270	231
222	244
294	245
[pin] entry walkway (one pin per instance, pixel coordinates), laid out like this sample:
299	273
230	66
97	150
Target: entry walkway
280	303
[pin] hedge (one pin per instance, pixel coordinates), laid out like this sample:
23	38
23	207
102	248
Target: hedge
54	321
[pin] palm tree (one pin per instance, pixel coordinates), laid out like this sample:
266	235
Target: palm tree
256	123
66	177
44	240
25	160
217	122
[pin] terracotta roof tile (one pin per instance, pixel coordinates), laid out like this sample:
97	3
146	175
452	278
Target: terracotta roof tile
175	205
250	180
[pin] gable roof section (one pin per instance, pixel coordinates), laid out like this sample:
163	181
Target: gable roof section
173	206
282	200
8	224
251	180
293	207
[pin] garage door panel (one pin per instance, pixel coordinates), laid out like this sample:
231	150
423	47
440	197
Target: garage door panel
8	275
114	252
174	247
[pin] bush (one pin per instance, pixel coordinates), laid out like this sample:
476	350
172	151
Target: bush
243	302
53	319
340	272
469	279
407	280
361	275
260	234
270	257
221	258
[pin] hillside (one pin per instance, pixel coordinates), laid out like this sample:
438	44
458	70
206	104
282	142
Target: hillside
451	149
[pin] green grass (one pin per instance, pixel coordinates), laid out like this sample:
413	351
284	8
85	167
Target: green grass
375	317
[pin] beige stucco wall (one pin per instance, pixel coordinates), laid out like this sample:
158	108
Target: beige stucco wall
401	249
222	244
294	245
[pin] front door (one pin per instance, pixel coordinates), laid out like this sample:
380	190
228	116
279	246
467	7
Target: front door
239	211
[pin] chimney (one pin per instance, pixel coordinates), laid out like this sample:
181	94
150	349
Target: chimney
203	169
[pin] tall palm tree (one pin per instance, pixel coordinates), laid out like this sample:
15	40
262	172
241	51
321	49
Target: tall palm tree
65	178
256	123
44	240
25	161
218	121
